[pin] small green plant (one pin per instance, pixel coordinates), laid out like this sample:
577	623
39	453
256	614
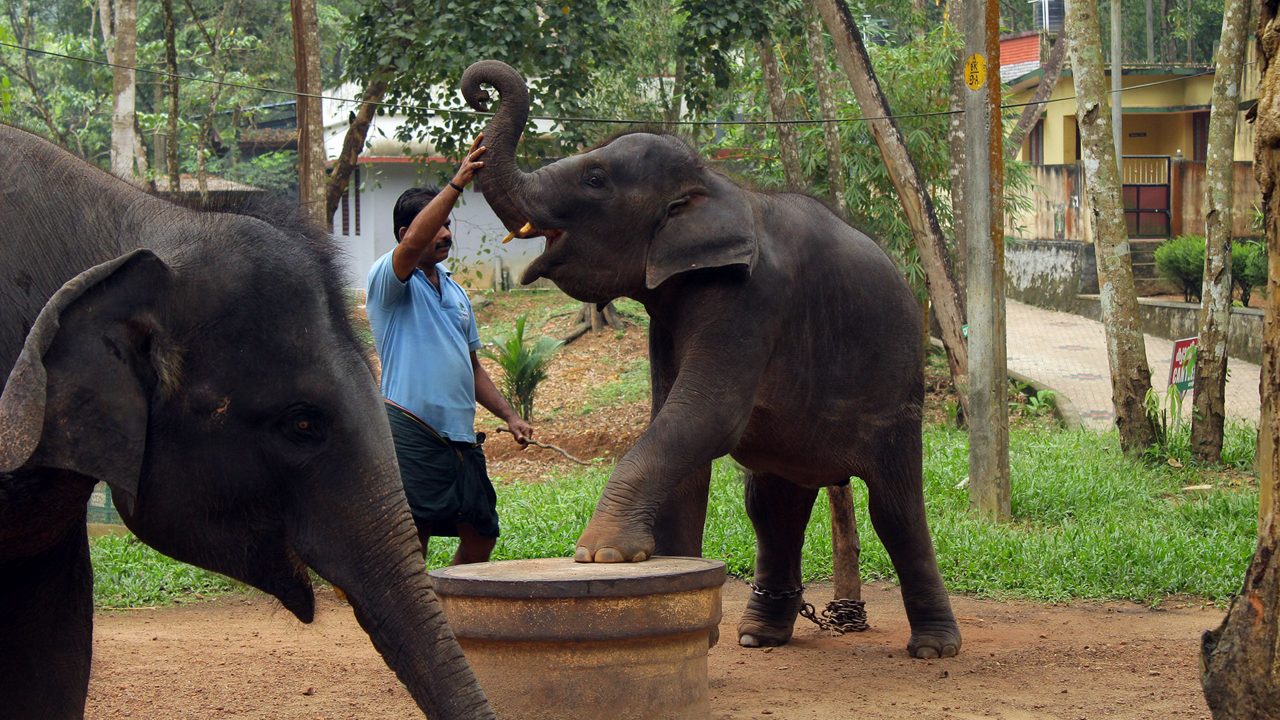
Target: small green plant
1173	436
1181	261
1029	400
523	365
1248	267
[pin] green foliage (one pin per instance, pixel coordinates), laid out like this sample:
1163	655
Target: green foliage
1173	437
523	365
427	45
1031	401
1088	523
127	573
1181	261
631	386
1248	267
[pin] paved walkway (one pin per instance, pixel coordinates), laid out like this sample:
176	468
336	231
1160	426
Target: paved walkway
1068	353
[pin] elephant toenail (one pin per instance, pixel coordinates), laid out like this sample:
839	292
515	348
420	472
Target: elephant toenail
608	555
748	641
582	555
640	556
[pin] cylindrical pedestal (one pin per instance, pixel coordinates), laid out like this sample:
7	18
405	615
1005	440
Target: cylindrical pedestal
554	639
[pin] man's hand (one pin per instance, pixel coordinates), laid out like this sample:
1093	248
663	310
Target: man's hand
520	430
471	163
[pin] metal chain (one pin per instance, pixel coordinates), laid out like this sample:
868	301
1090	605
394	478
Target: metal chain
777	594
840	616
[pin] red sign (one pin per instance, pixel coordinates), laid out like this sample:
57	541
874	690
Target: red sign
1182	367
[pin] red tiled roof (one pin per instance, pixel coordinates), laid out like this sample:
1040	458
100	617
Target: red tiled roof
1020	50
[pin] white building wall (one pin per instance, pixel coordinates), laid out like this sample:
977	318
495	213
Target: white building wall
478	256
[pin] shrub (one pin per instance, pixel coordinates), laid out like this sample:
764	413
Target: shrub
523	365
1248	267
1181	261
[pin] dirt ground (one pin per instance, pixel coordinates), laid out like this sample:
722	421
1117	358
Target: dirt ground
245	657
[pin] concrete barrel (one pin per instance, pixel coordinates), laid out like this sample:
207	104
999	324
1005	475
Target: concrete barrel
554	639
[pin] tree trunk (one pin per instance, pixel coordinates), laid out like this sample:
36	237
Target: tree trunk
916	203
124	55
1151	33
788	148
846	548
353	144
1241	658
836	182
593	318
1117	80
306	47
171	66
1126	350
959	159
1032	113
1215	305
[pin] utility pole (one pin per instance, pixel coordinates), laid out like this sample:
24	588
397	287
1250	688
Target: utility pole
989	492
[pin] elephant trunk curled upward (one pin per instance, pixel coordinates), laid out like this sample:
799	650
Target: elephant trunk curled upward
778	335
202	365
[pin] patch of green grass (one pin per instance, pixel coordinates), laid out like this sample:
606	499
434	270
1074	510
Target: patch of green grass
1088	523
631	386
128	573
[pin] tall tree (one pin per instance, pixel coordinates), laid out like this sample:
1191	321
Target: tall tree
914	196
836	179
1241	658
1126	350
120	33
788	148
1034	110
311	155
171	168
1209	387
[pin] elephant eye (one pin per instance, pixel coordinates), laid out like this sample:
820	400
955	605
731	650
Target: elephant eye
675	206
303	424
594	178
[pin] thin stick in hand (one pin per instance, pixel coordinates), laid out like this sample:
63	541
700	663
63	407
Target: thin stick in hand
548	446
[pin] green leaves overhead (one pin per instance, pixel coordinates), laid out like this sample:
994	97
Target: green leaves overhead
555	45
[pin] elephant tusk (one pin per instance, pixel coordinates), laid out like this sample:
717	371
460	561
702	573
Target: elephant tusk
527	227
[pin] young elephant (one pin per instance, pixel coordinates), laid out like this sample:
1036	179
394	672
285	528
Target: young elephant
778	335
202	365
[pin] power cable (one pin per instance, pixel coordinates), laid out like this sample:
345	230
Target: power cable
573	119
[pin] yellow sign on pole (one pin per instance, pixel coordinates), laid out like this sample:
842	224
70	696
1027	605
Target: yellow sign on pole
975	71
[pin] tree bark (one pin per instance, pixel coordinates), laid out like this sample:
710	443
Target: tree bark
1117	81
124	54
846	548
311	156
836	181
1151	34
353	144
959	160
1241	658
1209	386
1126	350
916	203
171	66
1032	113
788	148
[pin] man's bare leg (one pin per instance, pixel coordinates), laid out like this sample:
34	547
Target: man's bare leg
472	547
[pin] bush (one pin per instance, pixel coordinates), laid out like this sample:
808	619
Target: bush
1248	267
523	365
1181	261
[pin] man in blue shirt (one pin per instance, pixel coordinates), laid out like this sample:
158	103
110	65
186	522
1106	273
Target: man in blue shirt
425	332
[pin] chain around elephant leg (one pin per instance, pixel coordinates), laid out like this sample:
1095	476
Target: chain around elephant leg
770	616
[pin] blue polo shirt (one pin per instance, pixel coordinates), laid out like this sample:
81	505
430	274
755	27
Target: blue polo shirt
424	340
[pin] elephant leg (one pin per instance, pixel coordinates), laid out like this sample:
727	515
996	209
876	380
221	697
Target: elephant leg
46	629
896	502
779	511
678	528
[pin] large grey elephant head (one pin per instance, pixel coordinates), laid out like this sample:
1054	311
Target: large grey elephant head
620	219
207	371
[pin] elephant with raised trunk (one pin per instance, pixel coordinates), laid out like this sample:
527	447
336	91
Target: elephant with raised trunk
778	335
202	365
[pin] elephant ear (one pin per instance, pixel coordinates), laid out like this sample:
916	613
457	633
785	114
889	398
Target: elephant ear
77	399
715	227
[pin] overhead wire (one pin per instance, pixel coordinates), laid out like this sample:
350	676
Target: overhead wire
569	119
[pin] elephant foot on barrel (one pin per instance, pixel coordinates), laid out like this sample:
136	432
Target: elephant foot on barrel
940	640
614	542
769	618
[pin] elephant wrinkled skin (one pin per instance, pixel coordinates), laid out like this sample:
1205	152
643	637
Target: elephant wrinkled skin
201	364
778	335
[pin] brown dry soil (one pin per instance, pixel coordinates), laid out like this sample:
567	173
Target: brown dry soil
243	656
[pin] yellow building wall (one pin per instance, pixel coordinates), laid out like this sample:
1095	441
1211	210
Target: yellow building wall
1160	106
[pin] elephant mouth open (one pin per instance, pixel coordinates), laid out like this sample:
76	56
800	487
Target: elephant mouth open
545	261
